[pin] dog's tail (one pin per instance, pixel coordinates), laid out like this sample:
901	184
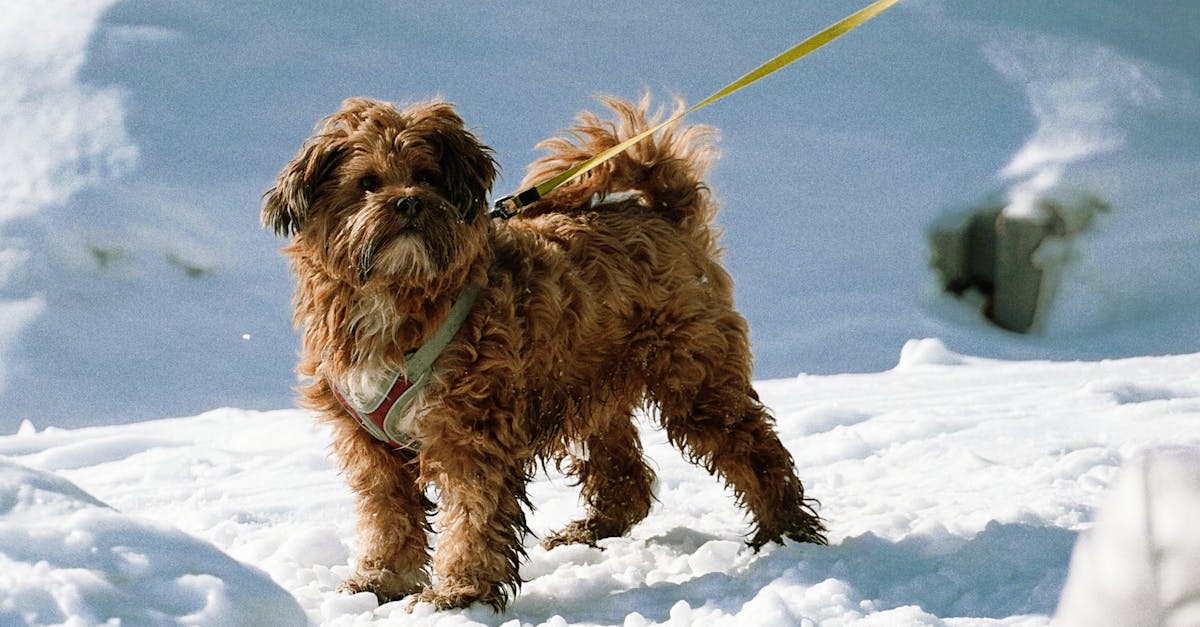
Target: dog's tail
665	171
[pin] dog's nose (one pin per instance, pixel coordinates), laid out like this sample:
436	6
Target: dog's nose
408	206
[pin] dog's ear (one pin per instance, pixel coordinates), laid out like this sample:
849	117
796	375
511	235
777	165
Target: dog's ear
468	169
286	206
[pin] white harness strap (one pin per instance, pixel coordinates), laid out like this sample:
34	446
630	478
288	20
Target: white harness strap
383	411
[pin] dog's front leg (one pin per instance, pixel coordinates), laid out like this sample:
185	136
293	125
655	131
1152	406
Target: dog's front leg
480	464
392	531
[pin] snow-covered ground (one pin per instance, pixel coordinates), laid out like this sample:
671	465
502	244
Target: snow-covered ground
954	488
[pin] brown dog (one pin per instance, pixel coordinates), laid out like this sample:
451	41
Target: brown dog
601	298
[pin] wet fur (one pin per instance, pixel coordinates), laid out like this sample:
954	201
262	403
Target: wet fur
588	311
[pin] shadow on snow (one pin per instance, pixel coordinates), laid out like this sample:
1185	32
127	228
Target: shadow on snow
1005	570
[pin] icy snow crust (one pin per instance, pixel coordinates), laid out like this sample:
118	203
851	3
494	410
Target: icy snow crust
954	488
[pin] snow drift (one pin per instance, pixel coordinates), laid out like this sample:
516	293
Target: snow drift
67	558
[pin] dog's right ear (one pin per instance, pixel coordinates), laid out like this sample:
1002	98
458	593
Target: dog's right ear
286	206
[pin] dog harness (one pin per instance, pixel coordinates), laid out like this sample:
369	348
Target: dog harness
382	412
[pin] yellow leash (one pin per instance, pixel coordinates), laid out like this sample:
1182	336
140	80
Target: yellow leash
511	205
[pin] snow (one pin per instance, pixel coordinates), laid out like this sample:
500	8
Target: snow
954	486
67	558
1140	564
956	471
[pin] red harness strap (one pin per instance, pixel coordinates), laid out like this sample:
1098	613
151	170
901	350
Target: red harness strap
373	420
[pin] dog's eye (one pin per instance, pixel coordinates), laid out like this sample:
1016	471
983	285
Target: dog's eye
369	183
424	177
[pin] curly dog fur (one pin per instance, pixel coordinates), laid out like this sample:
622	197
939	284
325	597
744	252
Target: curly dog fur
606	296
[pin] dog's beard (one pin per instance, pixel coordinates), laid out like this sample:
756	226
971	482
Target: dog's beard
392	246
402	254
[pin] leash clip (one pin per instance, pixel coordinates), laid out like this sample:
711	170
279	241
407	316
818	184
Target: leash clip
505	208
511	205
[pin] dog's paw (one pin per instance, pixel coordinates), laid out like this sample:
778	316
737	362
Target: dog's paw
385	584
440	600
807	529
588	531
576	532
449	597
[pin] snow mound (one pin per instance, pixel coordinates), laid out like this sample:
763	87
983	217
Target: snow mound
1140	564
67	558
927	352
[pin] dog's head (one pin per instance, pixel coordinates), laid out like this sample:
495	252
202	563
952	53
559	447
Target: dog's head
378	191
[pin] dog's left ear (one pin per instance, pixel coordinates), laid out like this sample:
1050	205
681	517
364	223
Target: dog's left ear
468	169
286	206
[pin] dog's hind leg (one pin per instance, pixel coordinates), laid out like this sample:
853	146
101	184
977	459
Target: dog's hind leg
701	382
616	484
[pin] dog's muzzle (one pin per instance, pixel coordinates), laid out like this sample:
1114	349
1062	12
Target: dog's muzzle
408	206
